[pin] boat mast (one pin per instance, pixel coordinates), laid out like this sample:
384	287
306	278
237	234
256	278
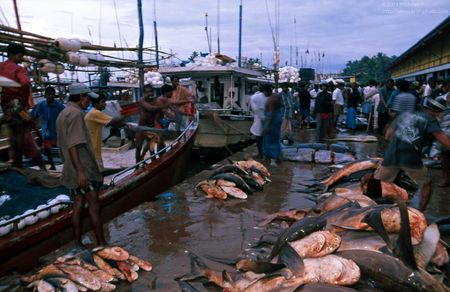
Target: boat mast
16	11
240	35
156	34
141	44
207	35
218	27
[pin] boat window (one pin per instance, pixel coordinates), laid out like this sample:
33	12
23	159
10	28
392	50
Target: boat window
217	93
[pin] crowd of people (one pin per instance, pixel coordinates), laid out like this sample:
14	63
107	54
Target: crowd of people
408	116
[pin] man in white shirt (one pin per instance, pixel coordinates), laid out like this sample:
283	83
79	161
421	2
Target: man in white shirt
258	104
314	92
430	87
338	101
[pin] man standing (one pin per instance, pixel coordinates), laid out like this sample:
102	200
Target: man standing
430	87
95	120
338	99
14	103
149	108
80	171
404	101
48	110
183	99
314	92
305	104
324	107
383	115
408	134
352	104
286	126
257	105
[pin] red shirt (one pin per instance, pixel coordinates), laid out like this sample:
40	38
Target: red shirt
11	70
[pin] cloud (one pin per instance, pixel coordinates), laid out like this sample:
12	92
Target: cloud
343	29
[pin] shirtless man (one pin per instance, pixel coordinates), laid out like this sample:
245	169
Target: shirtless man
151	108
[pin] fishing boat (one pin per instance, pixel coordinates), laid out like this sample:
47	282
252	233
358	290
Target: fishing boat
137	183
225	117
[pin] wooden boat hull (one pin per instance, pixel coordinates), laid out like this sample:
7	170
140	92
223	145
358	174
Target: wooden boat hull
222	131
21	249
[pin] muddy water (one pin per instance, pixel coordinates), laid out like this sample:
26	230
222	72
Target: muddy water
182	220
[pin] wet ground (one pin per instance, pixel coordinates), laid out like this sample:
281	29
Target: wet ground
182	220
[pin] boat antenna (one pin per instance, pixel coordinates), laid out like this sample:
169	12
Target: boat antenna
141	44
118	27
296	43
240	36
207	34
218	27
156	34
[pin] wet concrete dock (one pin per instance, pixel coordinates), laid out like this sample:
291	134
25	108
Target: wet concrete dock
183	220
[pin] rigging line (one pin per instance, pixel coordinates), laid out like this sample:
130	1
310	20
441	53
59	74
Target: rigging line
100	24
271	26
118	26
4	16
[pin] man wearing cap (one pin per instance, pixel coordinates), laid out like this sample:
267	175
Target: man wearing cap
80	171
408	134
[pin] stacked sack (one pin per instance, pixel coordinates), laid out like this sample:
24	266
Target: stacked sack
155	79
208	61
289	74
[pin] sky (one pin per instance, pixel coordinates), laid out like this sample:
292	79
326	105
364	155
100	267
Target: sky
342	30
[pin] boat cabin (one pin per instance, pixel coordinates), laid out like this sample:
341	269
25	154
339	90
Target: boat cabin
223	85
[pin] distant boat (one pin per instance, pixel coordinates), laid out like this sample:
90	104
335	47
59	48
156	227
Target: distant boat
225	115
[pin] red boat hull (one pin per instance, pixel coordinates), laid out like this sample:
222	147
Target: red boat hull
21	249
